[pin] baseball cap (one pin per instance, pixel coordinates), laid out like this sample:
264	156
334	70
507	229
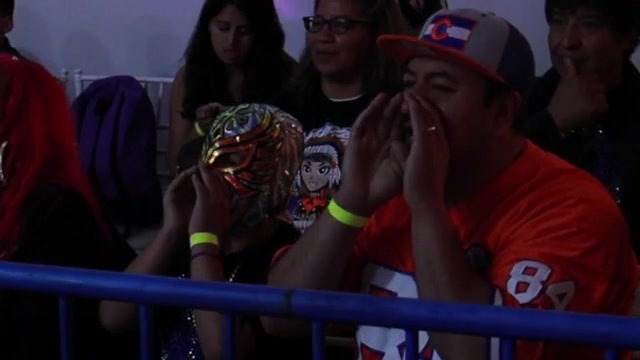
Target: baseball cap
477	39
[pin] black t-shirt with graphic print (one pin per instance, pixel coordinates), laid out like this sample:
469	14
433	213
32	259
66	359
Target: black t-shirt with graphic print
327	124
323	110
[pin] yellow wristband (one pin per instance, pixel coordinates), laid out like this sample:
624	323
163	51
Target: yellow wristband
345	217
198	129
203	238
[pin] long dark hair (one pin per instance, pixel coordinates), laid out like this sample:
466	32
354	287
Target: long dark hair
268	68
378	74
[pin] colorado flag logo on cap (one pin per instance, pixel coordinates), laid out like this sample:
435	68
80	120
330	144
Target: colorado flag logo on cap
449	31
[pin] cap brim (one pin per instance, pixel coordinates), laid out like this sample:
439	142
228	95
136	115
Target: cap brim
403	48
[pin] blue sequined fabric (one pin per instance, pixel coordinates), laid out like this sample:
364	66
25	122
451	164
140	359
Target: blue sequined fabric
182	341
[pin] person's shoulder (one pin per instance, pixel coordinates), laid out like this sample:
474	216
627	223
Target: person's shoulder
566	180
562	195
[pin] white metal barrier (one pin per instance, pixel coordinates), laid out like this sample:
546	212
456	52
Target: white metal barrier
64	77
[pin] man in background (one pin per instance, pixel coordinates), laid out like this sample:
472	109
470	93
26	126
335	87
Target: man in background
458	207
586	108
6	25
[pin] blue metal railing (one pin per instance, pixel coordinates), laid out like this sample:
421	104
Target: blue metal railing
610	332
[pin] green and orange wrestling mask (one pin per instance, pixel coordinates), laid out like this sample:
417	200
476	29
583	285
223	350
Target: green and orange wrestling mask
258	150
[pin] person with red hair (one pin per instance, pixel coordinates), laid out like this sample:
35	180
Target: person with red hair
48	214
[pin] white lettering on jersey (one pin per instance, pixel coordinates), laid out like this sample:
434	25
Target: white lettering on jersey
387	343
528	281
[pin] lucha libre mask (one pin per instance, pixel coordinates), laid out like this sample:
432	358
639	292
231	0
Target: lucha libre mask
258	150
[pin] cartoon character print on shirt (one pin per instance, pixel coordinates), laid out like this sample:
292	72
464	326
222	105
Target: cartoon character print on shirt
319	176
384	343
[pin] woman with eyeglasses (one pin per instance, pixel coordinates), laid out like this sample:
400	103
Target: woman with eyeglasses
340	71
235	55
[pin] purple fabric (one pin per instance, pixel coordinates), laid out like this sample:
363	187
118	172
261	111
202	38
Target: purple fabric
116	127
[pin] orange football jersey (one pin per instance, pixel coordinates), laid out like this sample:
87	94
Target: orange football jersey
554	239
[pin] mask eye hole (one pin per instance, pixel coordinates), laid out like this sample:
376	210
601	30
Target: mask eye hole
230	160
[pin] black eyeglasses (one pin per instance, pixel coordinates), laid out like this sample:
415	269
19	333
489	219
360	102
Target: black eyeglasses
337	25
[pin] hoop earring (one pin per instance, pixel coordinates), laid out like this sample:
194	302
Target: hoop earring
3	147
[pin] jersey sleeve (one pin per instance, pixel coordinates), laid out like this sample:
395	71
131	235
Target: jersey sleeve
585	267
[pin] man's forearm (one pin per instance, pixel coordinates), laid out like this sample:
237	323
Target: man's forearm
318	259
444	274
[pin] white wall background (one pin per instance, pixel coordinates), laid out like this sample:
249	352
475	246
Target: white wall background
148	37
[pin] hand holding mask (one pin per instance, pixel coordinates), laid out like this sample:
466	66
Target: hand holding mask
257	149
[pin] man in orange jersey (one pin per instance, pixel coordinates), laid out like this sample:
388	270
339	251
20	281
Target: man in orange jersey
461	208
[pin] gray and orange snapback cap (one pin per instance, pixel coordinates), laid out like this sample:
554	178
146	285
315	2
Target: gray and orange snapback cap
480	40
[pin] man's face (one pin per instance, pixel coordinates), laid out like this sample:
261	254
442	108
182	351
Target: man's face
469	121
584	37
